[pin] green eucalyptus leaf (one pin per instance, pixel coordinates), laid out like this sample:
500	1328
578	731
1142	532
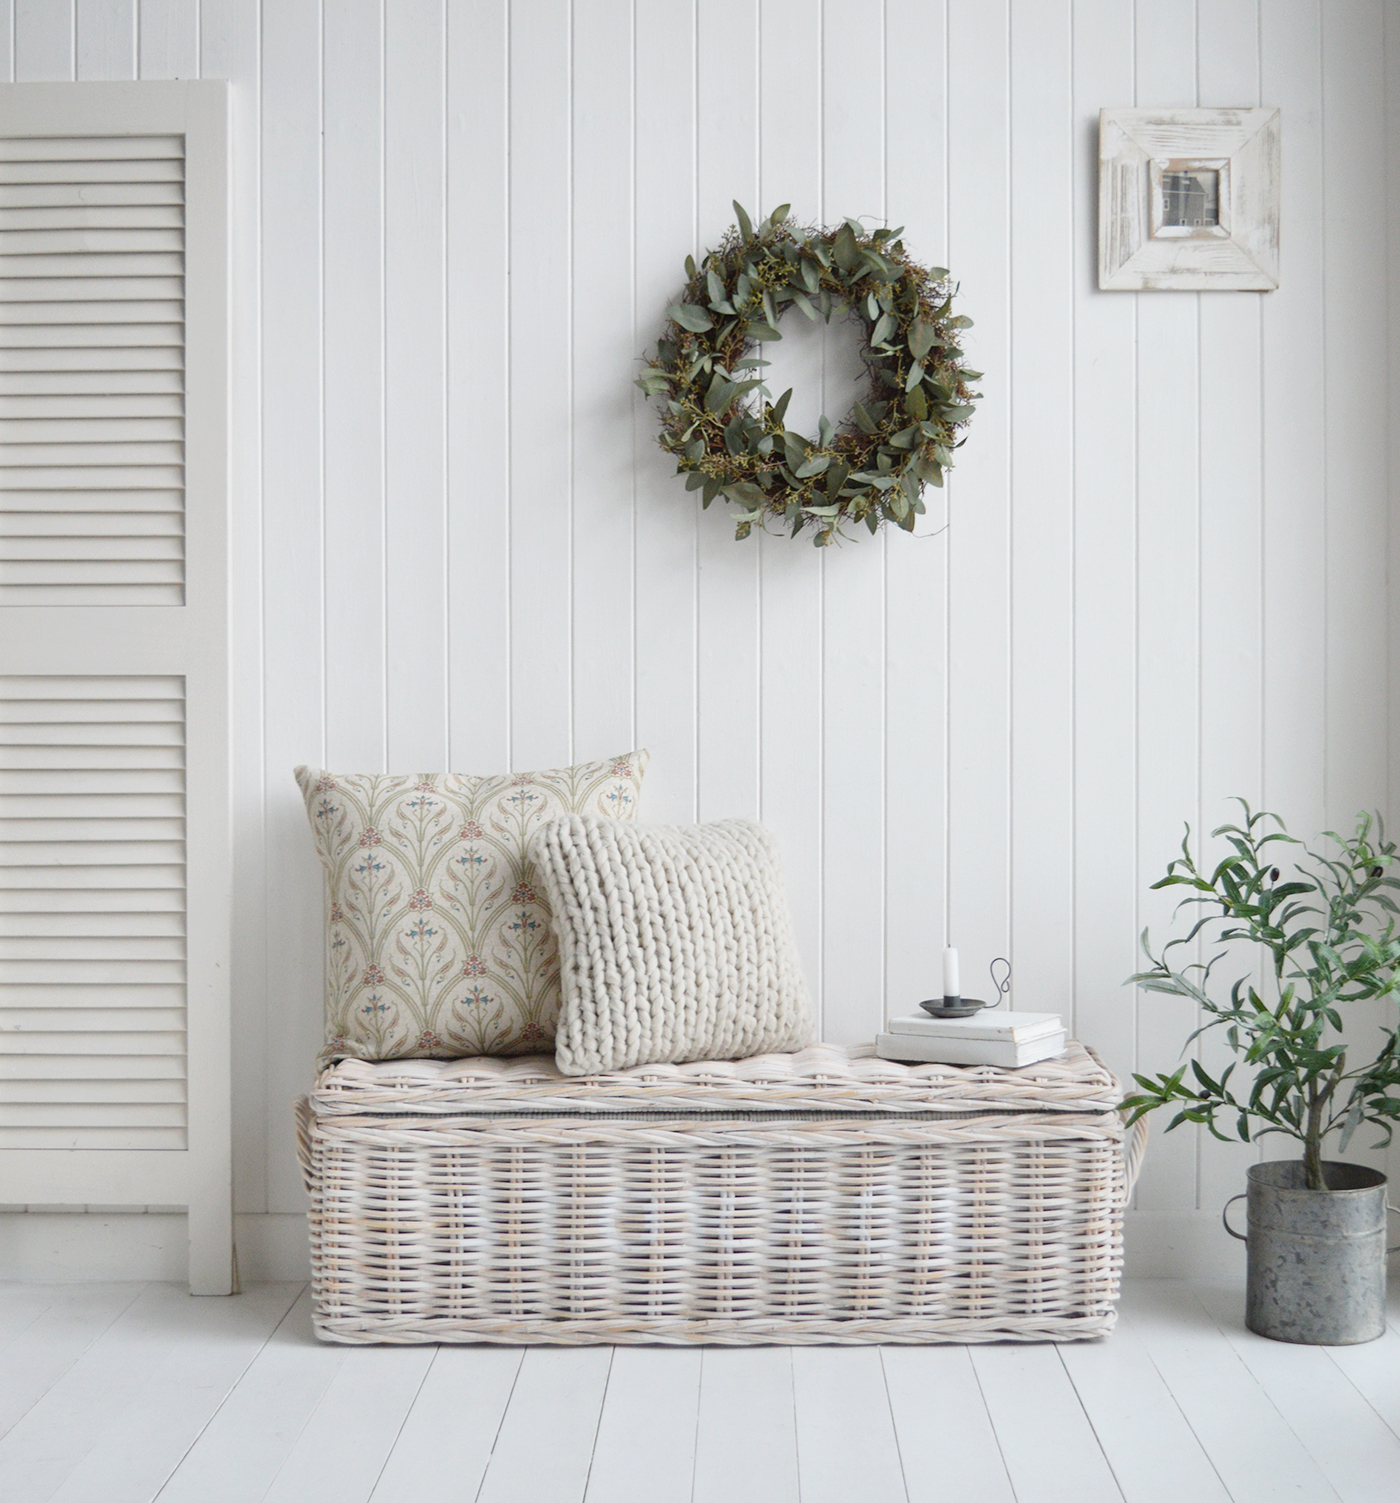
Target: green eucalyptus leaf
805	304
691	317
745	223
720	394
922	337
844	250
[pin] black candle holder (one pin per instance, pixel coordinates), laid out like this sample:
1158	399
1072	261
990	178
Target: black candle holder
952	1007
964	1007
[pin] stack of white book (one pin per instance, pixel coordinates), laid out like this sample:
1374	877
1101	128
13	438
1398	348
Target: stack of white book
1006	1039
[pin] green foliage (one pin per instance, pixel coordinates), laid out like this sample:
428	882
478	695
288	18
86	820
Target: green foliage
1327	933
727	433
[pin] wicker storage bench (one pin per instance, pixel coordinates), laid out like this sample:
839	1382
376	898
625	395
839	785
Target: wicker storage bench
825	1196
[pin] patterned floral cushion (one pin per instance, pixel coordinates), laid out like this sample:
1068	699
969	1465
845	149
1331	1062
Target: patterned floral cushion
438	938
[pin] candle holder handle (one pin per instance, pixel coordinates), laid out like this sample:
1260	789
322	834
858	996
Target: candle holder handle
1001	983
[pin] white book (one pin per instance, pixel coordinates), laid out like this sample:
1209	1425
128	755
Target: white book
1005	1054
1020	1026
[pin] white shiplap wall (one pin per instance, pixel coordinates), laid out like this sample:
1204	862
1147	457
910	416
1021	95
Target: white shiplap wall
1163	579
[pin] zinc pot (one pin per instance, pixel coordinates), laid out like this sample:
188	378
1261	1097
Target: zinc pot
1316	1257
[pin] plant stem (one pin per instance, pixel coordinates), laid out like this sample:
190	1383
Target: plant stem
1312	1142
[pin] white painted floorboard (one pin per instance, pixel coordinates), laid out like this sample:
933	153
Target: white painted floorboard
442	1451
646	1438
946	1442
846	1446
1258	1457
1357	1451
746	1442
45	1348
131	1393
1050	1448
551	1425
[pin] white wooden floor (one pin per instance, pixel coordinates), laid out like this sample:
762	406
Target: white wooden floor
126	1393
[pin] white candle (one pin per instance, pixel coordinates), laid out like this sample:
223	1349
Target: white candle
950	973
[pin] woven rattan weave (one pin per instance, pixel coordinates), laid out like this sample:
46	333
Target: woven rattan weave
817	1197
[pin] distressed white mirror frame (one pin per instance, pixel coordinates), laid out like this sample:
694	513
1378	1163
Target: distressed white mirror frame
1139	250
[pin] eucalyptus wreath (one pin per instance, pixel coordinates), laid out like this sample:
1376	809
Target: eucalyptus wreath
728	435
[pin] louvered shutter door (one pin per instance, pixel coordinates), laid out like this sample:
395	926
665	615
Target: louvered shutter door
114	804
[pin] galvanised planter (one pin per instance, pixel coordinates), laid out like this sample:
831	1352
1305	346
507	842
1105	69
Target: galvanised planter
1316	1257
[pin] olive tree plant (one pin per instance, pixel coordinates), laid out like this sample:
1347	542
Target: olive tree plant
1325	927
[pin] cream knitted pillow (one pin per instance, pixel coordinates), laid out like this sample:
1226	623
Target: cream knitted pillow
675	943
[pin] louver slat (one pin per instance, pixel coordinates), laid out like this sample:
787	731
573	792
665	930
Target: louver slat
92	912
92	331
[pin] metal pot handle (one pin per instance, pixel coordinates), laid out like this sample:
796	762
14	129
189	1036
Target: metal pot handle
1225	1219
1394	1210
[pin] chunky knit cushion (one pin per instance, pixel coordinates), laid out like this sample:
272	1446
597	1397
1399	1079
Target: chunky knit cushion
675	943
438	939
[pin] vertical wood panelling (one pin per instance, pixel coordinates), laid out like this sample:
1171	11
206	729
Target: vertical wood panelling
227	33
1354	407
853	647
1354	249
541	446
1231	538
728	605
1294	523
601	347
167	35
44	38
1042	506
1162	580
916	568
1168	573
354	336
105	38
478	365
1294	672
416	522
664	233
7	41
790	589
1392	199
1104	458
979	218
292	566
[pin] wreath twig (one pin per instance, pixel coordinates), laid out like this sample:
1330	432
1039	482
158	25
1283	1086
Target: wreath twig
728	435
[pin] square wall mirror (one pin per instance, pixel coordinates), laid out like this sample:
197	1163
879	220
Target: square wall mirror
1188	200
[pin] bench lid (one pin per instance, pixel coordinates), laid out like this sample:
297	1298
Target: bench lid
822	1077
